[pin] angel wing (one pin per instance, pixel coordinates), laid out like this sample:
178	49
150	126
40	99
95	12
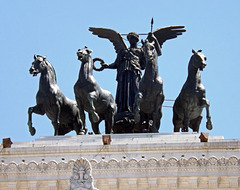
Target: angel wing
111	35
167	33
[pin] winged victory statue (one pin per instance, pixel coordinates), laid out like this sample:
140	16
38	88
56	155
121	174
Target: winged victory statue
129	63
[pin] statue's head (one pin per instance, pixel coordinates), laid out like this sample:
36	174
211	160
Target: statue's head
83	54
38	65
133	35
199	59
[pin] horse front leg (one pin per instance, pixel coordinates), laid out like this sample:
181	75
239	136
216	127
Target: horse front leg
156	121
82	116
209	125
177	122
91	97
37	110
77	124
83	119
186	121
56	120
95	127
157	115
138	100
109	120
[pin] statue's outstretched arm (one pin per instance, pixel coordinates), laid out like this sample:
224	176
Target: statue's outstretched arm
105	65
113	65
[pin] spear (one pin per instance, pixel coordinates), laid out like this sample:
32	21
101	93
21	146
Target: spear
142	33
151	25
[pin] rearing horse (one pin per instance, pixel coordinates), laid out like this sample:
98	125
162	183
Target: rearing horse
90	97
62	111
187	108
149	100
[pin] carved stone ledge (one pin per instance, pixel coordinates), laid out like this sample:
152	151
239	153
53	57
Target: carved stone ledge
131	166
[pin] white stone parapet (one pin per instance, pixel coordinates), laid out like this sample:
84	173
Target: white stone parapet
130	161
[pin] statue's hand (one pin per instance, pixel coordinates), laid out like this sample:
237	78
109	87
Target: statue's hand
102	63
103	66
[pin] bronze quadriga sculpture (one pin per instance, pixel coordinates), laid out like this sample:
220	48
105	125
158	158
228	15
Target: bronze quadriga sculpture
187	109
139	98
99	103
62	111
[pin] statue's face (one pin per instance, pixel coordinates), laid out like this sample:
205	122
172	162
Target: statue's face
83	54
132	40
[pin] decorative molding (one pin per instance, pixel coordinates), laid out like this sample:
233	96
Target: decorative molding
192	164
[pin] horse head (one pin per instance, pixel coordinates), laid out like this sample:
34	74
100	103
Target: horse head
199	60
38	65
84	54
149	50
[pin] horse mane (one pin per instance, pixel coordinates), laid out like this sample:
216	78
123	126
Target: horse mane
51	68
48	64
191	61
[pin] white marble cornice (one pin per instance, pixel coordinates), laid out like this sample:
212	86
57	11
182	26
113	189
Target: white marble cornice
162	167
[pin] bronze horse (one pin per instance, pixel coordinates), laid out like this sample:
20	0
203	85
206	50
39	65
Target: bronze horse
99	103
187	108
62	111
149	100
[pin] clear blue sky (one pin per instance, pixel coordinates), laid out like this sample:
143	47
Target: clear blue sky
58	29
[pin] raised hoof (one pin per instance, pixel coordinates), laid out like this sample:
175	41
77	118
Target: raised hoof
209	125
32	131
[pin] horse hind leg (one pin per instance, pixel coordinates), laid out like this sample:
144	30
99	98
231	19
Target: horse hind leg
109	121
93	113
56	109
64	129
158	123
177	122
195	123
